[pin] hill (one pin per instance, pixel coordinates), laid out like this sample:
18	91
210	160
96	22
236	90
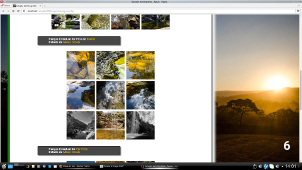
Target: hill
269	101
73	123
233	93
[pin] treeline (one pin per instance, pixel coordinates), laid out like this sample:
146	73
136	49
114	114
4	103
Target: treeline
111	120
269	101
244	117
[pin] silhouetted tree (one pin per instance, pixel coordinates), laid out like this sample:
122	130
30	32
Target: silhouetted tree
243	107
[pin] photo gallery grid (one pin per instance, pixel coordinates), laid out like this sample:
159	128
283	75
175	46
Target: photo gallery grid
110	21
140	66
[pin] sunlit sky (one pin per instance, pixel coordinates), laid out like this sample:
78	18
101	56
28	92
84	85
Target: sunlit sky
84	116
252	51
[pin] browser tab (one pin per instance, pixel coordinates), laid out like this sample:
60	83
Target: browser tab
27	5
6	5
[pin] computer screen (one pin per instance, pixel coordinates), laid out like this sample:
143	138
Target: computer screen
150	84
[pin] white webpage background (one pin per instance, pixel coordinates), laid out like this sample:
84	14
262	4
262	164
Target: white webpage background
182	89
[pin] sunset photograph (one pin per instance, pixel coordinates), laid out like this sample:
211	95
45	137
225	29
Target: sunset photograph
256	81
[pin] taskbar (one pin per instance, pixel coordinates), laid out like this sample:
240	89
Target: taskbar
142	165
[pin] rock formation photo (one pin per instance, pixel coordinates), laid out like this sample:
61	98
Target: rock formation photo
80	65
110	65
96	21
80	125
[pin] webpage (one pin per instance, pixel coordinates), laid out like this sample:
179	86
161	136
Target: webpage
150	82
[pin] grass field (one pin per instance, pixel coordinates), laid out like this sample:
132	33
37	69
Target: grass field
256	148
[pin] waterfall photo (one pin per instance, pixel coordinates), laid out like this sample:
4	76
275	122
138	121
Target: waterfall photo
80	125
141	95
140	125
110	94
110	65
140	65
110	125
80	64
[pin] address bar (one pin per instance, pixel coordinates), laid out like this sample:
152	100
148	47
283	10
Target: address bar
162	11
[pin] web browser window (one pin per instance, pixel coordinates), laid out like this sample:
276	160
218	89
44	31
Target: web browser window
150	84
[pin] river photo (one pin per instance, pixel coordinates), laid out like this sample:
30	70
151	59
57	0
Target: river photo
140	125
110	125
140	65
140	95
80	95
80	64
80	125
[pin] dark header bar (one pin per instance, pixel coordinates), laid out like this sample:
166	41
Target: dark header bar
78	150
79	40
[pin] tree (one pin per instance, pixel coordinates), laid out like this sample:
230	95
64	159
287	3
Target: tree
3	77
244	107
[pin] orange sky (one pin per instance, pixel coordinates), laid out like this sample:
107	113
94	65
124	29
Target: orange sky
251	49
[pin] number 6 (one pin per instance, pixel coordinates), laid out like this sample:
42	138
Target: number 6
286	145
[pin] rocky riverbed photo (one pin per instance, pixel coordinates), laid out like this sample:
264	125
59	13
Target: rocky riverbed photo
140	125
80	125
110	95
156	21
80	64
96	21
110	125
140	65
110	65
80	95
131	21
140	95
65	21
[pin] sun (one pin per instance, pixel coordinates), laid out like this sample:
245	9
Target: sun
276	83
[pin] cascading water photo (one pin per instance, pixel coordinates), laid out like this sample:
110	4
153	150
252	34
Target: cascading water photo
110	95
110	125
140	125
